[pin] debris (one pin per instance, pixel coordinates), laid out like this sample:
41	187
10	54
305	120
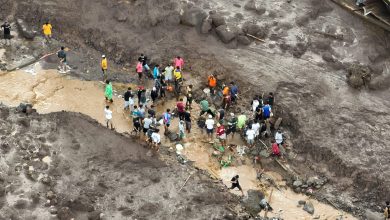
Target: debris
256	38
185	182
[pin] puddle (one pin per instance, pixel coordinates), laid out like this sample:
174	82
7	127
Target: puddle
50	92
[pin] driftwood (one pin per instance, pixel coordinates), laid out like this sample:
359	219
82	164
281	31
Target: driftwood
256	38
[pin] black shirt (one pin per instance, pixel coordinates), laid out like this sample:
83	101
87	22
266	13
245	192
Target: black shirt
187	117
128	95
6	28
221	114
151	112
235	181
143	59
61	54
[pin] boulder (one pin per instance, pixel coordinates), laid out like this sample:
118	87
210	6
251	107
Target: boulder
226	33
252	202
25	30
301	202
250	5
309	208
206	27
217	20
370	215
250	28
358	75
193	16
244	40
297	183
328	57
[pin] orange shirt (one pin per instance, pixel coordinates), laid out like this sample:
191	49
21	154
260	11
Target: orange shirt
226	90
212	81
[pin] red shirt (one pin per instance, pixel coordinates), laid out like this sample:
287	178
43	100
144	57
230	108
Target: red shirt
275	149
220	130
180	106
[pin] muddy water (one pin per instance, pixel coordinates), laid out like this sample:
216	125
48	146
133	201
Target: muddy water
51	92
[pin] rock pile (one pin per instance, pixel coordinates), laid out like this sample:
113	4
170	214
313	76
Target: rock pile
301	186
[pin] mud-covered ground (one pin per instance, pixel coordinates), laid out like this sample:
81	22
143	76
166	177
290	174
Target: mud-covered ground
336	131
68	165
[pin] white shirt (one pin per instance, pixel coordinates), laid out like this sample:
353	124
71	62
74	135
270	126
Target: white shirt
108	113
250	134
278	138
156	137
255	104
209	124
168	71
256	127
147	122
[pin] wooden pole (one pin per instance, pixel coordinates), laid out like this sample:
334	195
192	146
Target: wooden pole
256	38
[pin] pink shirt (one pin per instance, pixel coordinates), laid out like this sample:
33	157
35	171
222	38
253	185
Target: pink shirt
139	67
179	62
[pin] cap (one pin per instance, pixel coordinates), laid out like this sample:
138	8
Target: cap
232	114
210	116
103	56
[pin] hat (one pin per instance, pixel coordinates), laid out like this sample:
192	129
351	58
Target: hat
103	56
210	116
231	114
154	89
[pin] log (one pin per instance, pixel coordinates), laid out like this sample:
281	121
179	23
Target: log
256	38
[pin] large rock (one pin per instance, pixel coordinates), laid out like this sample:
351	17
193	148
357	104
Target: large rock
252	202
25	30
250	28
309	208
120	16
193	16
370	215
250	5
217	20
358	75
206	26
244	40
226	33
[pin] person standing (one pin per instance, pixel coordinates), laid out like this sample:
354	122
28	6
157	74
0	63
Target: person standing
181	130
241	121
189	97
236	184
179	62
129	101
275	149
210	127
156	71
255	103
266	111
279	137
47	31
108	114
154	94
204	107
187	119
163	88
233	92
256	128
6	32
167	120
226	102
180	109
386	210
104	67
232	125
221	134
271	99
108	91
212	83
156	139
144	61
250	137
139	70
146	125
169	73
62	56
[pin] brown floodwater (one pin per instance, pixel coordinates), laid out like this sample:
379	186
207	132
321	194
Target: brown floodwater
50	91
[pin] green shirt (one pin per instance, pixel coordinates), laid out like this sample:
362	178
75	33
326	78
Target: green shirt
108	92
241	121
204	105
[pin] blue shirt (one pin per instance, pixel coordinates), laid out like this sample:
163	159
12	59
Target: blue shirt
266	111
167	118
234	90
156	72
